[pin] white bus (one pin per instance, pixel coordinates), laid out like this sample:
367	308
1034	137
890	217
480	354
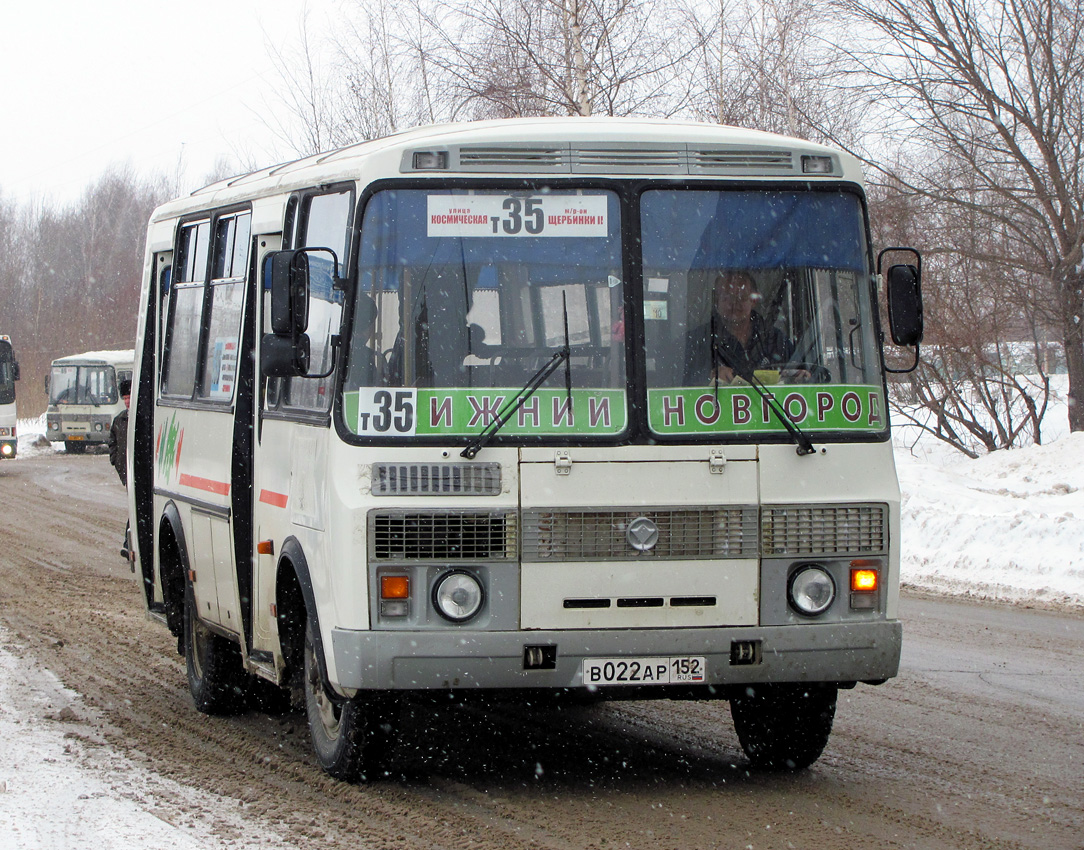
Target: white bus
9	374
453	411
83	397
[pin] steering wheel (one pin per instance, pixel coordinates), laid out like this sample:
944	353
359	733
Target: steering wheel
818	374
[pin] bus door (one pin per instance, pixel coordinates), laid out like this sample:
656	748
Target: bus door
290	452
195	434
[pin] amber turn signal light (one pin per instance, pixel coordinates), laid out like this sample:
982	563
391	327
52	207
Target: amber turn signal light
864	581
394	587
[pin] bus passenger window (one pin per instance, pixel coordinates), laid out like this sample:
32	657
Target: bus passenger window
186	312
230	266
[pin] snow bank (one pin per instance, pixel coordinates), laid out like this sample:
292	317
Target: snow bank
1007	526
61	788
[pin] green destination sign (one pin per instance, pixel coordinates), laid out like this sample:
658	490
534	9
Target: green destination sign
697	410
408	412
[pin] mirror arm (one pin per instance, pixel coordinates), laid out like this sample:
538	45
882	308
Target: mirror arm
908	370
335	343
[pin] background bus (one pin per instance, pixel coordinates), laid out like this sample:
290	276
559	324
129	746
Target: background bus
83	397
9	374
450	413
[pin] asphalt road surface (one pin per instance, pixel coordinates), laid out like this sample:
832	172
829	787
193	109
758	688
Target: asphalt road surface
979	743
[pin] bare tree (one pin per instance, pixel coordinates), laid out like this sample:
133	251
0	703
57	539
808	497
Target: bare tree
365	78
983	383
77	277
310	96
996	90
772	66
384	57
563	57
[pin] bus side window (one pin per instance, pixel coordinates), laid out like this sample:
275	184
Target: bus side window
324	223
161	307
185	316
229	268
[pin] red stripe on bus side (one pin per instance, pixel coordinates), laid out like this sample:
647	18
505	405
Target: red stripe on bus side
221	488
277	500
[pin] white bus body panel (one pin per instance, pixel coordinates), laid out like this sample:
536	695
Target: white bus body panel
839	473
638	484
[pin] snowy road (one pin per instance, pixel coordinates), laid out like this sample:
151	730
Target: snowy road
978	743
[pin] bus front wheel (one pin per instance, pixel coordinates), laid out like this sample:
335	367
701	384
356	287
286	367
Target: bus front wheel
784	726
351	737
216	677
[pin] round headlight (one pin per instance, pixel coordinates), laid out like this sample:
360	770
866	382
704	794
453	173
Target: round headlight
458	596
811	590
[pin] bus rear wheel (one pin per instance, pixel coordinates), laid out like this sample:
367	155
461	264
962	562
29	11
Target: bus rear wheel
351	737
216	677
784	726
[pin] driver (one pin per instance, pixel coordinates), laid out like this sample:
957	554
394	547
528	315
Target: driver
743	338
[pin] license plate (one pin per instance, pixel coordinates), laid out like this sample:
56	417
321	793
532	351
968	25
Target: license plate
680	669
75	436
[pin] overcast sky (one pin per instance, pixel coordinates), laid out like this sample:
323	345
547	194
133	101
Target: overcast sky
161	85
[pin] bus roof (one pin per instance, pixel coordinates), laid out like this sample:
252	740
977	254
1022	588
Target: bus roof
540	147
123	357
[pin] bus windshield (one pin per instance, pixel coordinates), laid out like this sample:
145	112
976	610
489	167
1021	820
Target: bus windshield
464	295
7	373
765	286
93	385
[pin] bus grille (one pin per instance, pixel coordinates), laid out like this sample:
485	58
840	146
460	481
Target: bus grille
741	161
447	479
564	158
592	535
792	530
639	159
513	158
442	536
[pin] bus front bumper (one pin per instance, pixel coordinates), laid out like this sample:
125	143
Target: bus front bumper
442	660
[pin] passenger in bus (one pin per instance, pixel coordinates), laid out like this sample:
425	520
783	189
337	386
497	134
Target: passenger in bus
736	339
367	365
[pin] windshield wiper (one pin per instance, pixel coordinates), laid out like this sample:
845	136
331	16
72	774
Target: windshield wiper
801	440
508	409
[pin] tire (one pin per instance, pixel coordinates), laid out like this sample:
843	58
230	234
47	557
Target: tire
216	677
352	737
784	726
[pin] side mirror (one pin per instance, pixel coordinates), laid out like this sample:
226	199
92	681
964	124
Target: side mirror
904	295
283	357
905	304
287	277
286	274
16	370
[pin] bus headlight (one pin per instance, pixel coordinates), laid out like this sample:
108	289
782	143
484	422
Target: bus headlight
458	596
811	590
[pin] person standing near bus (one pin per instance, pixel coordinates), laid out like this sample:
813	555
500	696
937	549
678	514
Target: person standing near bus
118	448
